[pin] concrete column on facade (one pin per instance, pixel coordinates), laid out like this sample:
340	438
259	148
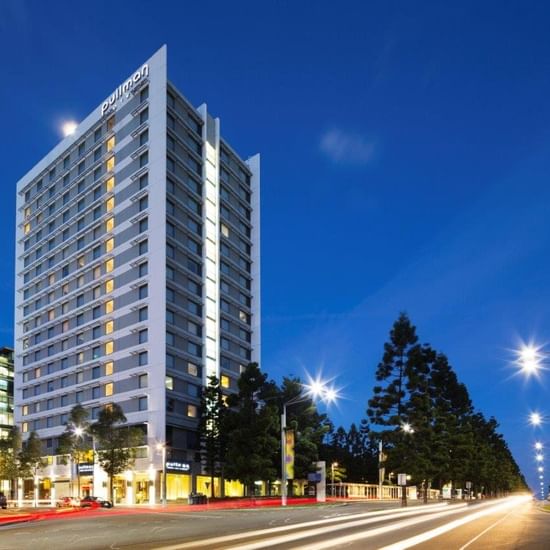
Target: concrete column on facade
52	490
152	485
19	492
35	491
129	479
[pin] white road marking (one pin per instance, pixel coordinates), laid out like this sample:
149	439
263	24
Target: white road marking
379	515
423	537
486	530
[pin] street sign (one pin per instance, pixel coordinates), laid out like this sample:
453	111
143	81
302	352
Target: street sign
468	485
402	479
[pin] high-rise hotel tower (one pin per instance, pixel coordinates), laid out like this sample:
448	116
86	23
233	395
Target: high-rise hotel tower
137	278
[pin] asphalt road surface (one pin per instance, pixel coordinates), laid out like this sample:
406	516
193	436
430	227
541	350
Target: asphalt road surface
507	523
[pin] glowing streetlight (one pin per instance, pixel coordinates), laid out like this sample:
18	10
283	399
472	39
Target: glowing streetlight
78	431
407	428
538	446
539	458
69	128
315	388
535	419
541	469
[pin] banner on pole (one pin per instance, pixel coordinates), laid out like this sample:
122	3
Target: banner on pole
289	453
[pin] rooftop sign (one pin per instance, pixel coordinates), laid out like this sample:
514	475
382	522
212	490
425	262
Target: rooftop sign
123	91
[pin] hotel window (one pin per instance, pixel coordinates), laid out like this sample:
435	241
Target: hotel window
143	181
110	184
109	286
142	358
143	313
143	225
80	167
110	143
109	326
143	203
109	244
109	225
110	204
109	306
25	427
51	315
142	403
110	123
96	352
65	326
143	268
96	273
80	358
143	292
191	411
170	338
79	396
110	165
79	338
95	392
142	336
96	252
109	265
109	347
109	368
64	381
142	381
143	116
169	383
27	228
96	292
96	312
143	247
108	389
144	94
225	382
96	332
225	230
143	137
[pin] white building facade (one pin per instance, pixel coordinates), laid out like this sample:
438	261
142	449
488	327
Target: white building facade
137	277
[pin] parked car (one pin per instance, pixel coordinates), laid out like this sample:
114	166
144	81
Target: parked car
67	502
95	502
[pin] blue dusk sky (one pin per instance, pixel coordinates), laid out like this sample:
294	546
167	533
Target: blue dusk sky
405	167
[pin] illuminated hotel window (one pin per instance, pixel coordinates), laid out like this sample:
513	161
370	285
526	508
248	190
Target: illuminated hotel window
109	286
110	164
109	346
169	383
192	411
225	230
37	372
27	228
109	265
109	306
108	389
109	368
25	410
110	204
109	244
51	315
51	279
109	224
110	184
109	326
80	261
225	382
25	427
110	143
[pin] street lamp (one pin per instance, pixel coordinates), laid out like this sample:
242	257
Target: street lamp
316	388
407	428
332	466
539	458
538	446
535	418
529	358
162	447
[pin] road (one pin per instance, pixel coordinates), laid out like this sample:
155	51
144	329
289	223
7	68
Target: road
507	524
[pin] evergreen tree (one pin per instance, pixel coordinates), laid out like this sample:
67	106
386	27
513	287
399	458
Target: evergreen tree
74	442
115	442
252	428
10	449
211	435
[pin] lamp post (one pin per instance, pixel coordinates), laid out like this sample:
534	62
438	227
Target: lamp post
332	466
162	447
317	388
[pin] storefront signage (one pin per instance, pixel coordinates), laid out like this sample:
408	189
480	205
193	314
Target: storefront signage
86	468
123	91
178	466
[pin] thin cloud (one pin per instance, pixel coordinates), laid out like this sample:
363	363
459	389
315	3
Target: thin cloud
345	148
